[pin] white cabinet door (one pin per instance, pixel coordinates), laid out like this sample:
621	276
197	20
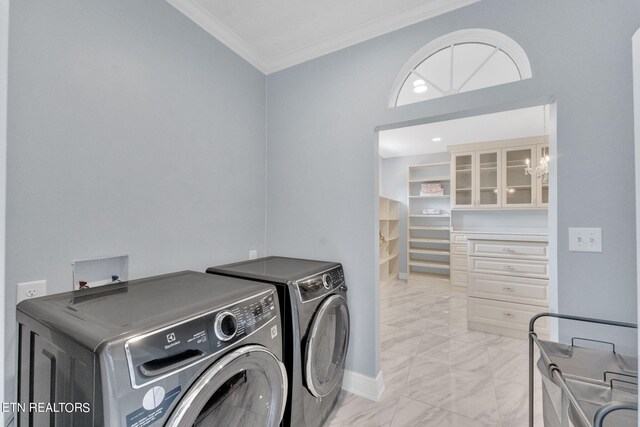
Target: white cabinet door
488	175
462	180
519	188
543	182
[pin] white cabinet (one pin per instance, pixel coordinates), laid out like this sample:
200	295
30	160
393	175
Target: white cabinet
492	175
518	187
459	260
428	222
477	178
388	239
508	281
463	180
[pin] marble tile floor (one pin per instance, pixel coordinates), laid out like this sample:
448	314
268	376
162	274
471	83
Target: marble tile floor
438	373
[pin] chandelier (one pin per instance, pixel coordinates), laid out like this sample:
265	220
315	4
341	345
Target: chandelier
540	171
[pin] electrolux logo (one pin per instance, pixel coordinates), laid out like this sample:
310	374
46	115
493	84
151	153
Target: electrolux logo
171	337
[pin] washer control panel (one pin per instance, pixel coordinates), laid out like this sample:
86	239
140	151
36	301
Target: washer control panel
168	350
320	284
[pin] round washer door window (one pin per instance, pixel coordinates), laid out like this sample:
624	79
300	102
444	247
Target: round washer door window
327	343
246	387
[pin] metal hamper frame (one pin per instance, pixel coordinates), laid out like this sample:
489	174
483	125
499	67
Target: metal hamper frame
560	379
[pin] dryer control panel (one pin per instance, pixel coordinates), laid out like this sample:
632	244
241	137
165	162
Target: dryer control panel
163	352
323	283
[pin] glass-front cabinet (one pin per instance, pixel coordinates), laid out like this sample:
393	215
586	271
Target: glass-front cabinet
543	184
519	187
463	180
496	177
488	175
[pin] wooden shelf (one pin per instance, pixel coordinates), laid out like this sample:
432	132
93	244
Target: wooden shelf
431	179
432	235
430	228
444	196
429	240
388	258
429	264
388	226
430	165
429	251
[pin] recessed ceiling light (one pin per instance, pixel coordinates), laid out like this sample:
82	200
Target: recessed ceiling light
419	82
420	89
437	139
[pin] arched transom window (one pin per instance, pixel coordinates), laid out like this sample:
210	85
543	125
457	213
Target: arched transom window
461	61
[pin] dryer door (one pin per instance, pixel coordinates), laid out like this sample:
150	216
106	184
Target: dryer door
246	387
327	343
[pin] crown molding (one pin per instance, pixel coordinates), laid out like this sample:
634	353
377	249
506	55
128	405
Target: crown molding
218	30
366	31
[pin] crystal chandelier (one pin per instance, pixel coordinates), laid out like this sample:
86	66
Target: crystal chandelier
540	171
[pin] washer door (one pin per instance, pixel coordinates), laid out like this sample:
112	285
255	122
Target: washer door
327	343
245	387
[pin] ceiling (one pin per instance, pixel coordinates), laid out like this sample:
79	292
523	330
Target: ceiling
416	140
276	34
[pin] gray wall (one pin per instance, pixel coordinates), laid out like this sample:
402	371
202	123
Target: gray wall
133	131
322	178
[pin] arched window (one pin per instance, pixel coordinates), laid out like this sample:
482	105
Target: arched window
458	62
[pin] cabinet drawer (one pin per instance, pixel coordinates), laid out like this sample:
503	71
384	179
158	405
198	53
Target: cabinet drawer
509	288
459	262
505	315
459	278
509	249
459	248
509	267
458	238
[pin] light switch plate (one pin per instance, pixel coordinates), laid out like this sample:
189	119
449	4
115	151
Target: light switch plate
253	254
585	239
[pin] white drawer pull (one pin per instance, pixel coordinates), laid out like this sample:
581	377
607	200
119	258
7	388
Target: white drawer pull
509	250
508	289
509	315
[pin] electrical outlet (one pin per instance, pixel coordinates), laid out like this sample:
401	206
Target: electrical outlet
27	290
253	254
585	239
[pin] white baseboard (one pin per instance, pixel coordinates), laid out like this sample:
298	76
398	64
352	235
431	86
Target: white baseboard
403	276
363	385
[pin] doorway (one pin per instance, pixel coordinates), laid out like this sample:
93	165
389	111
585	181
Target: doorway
452	178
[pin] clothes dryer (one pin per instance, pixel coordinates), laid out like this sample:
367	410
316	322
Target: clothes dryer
313	297
182	349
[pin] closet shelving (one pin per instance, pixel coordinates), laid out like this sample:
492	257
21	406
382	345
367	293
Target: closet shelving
428	241
388	239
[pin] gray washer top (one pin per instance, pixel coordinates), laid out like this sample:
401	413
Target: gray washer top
274	269
93	316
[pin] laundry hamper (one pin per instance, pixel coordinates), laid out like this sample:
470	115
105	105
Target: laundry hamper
583	386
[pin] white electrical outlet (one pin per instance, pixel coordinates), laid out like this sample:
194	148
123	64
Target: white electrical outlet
585	239
253	254
27	290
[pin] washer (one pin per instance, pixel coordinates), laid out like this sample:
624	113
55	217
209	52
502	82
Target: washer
183	349
313	297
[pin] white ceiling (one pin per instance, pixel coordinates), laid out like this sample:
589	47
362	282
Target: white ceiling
276	34
416	140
